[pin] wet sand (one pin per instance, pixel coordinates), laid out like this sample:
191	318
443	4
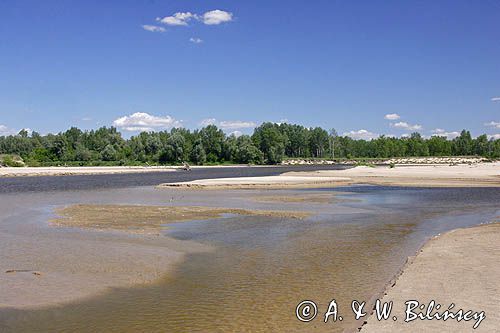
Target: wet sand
460	267
292	180
63	267
477	175
150	219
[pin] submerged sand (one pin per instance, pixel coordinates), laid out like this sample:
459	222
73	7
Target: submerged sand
150	219
477	175
459	267
68	266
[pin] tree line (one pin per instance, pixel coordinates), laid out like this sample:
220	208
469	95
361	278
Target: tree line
270	143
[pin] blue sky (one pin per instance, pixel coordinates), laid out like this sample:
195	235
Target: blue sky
341	64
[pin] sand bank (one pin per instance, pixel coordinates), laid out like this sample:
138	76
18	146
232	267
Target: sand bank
65	171
395	160
295	180
459	267
481	175
477	175
97	170
150	219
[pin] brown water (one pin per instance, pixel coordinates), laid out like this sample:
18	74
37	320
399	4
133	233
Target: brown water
263	267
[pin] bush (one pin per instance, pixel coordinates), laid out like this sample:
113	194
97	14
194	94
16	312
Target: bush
11	161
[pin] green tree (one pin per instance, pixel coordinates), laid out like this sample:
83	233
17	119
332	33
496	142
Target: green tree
270	141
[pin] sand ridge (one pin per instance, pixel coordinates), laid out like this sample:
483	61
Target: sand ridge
476	175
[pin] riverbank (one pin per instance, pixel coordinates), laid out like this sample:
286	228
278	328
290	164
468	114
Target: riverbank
459	267
464	175
101	170
449	160
65	171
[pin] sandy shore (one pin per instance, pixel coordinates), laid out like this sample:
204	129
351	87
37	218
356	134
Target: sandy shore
459	267
295	180
64	171
464	175
478	175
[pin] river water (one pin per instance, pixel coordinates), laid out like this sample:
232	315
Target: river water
261	267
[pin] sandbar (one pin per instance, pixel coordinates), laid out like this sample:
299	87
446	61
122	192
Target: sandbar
464	175
460	267
150	219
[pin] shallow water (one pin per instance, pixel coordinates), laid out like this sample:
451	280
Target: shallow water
262	268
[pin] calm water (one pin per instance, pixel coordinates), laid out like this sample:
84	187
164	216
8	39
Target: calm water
87	182
262	268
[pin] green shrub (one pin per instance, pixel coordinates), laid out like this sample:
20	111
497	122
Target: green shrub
11	161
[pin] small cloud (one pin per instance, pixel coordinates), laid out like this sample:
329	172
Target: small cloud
442	132
86	119
495	99
236	133
228	124
215	17
142	122
494	136
392	116
6	131
237	124
361	134
153	28
282	121
208	121
177	19
196	40
494	124
212	17
405	125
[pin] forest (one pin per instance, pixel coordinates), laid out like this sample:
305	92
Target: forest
270	143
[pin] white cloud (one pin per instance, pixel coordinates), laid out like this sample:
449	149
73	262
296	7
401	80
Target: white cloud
228	124
5	131
177	19
494	136
86	119
495	99
442	132
212	17
361	134
236	133
153	28
237	124
141	122
208	121
217	16
405	125
495	124
196	40
392	116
